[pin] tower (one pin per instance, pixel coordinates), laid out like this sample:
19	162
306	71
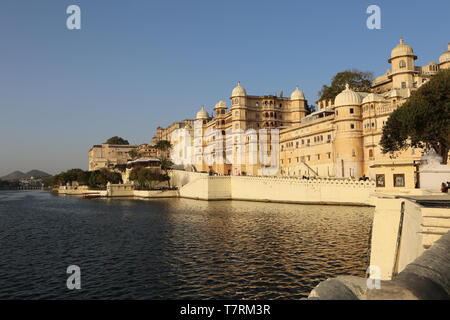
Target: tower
348	134
403	69
238	108
298	105
444	59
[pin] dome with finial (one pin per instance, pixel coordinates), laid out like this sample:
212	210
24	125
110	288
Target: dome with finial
220	104
202	114
445	57
402	50
239	91
297	95
347	97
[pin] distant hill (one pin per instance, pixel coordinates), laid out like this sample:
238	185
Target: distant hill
17	175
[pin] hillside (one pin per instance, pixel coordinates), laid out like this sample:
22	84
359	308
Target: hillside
17	175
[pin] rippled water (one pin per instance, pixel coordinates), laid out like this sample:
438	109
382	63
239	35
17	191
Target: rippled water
175	249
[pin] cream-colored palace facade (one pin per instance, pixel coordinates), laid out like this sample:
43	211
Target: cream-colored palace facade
339	140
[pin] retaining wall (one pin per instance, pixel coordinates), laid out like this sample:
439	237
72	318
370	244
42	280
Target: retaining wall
274	189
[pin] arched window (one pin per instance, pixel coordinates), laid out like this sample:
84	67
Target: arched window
370	153
402	64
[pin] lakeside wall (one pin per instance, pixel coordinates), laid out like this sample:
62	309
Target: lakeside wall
410	253
273	189
402	230
425	278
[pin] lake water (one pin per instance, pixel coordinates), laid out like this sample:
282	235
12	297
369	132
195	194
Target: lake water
175	248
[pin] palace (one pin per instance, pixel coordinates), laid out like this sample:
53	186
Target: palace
340	140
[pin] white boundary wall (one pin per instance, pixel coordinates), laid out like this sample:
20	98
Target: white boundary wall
274	189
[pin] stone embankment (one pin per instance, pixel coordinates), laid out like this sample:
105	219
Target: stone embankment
409	254
426	278
274	189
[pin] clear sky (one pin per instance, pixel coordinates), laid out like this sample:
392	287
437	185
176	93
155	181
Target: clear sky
138	64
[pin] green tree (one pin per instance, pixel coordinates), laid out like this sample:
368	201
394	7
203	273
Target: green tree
117	140
99	178
423	121
144	177
166	165
310	108
164	146
358	81
133	154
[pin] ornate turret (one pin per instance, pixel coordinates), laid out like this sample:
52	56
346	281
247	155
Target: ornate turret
348	128
403	69
444	59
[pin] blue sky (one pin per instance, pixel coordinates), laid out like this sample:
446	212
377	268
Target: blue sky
135	65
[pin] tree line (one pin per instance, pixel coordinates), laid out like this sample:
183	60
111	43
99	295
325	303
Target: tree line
97	179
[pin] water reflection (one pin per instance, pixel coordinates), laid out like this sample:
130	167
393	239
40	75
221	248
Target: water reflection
175	248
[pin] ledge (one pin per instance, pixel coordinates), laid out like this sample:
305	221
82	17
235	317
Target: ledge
426	278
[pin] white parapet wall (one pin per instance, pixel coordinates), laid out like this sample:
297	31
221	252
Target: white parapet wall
319	191
274	189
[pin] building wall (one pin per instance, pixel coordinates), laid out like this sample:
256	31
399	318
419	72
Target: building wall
348	144
108	155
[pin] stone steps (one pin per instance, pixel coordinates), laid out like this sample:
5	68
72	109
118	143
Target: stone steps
429	238
434	229
436	221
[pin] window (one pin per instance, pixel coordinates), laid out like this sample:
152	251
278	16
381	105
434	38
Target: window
352	126
309	158
370	153
337	112
352	111
353	153
318	157
257	104
236	126
402	64
399	180
403	85
236	113
329	155
380	179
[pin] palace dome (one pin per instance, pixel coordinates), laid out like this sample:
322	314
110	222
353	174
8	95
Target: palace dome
202	114
372	97
238	91
445	57
220	104
297	95
402	50
347	97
